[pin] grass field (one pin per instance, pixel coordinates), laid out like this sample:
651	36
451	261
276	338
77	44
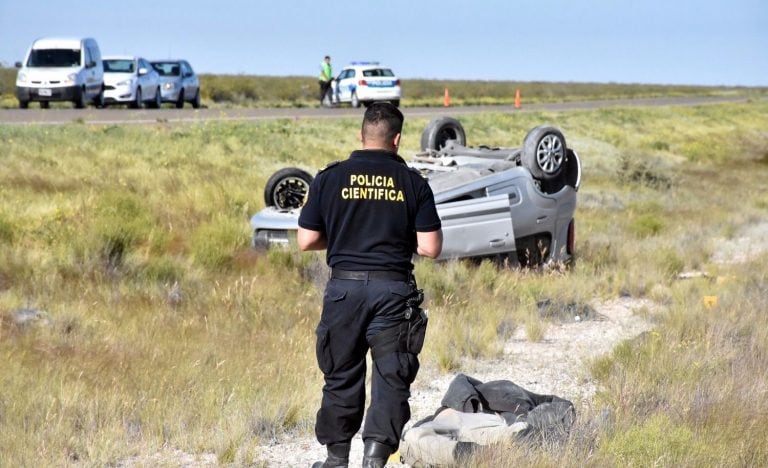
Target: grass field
134	315
301	91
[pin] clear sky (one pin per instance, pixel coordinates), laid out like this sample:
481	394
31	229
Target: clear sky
706	42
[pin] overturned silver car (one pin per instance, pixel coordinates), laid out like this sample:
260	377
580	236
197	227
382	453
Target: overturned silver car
511	204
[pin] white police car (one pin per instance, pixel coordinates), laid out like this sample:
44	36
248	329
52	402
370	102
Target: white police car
364	83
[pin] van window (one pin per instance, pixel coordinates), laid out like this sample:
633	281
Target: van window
54	58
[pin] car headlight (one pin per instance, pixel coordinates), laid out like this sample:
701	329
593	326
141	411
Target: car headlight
70	79
169	85
22	78
127	82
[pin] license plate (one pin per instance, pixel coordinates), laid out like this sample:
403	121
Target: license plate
44	92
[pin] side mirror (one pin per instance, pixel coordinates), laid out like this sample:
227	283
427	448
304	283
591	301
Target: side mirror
143	71
17	64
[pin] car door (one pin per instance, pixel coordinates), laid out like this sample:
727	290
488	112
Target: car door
143	73
191	84
345	84
476	227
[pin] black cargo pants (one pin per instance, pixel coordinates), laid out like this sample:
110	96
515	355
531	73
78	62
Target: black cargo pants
353	312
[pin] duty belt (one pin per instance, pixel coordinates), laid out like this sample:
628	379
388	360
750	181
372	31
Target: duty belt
370	275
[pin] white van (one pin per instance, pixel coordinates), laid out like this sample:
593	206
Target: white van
61	69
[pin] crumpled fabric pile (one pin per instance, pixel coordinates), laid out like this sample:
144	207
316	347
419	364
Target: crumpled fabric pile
475	414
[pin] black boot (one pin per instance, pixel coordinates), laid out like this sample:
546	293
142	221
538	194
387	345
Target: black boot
338	456
375	454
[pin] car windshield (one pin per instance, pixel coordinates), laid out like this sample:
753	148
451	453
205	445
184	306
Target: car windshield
378	72
167	68
54	58
118	66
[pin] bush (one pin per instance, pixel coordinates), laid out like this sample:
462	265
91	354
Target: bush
215	243
120	222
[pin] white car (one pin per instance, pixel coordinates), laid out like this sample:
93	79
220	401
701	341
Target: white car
131	80
366	82
179	82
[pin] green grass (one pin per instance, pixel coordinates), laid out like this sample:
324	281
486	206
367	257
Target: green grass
159	327
302	91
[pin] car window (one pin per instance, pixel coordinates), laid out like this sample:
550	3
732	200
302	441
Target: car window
167	68
118	66
378	72
54	58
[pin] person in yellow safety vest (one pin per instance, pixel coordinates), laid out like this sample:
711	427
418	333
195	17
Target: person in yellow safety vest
325	79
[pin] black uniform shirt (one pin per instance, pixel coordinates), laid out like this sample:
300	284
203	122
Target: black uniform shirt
370	207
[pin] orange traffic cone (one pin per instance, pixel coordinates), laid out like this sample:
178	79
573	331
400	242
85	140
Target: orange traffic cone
517	99
446	98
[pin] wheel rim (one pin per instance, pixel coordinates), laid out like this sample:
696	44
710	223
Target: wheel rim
550	154
290	193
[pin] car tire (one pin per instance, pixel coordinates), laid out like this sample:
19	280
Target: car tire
441	129
158	101
138	102
98	101
287	188
180	100
23	104
45	104
354	101
196	99
79	101
544	154
396	102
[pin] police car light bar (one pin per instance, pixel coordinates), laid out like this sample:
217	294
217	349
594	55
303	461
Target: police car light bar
363	63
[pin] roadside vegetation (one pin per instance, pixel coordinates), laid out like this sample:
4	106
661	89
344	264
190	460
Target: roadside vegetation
301	91
135	317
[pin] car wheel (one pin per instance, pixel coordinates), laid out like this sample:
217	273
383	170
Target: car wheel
138	101
158	99
45	104
396	102
287	188
23	104
354	100
544	153
79	98
99	100
180	100
196	99
441	129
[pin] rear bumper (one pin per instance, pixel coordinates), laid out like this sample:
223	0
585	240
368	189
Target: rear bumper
61	93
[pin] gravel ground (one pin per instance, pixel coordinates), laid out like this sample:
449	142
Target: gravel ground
555	365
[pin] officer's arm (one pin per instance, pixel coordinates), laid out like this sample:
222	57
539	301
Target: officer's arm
311	240
429	244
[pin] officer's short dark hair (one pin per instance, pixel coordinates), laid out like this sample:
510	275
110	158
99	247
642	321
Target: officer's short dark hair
384	113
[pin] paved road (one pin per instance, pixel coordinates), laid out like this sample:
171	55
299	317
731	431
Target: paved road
119	115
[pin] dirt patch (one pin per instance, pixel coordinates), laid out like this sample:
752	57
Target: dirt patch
750	242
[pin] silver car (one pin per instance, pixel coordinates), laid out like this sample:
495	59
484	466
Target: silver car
132	81
179	82
510	204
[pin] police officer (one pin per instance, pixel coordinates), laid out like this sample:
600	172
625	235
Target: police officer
371	213
325	79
